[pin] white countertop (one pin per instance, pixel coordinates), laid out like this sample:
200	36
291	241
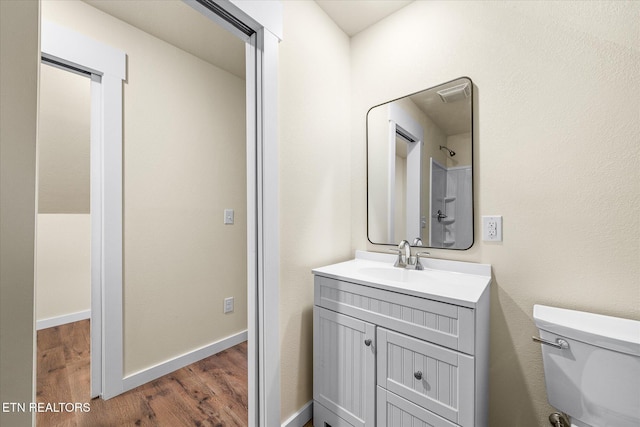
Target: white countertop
453	282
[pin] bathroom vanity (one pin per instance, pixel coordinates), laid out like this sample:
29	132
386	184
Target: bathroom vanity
397	347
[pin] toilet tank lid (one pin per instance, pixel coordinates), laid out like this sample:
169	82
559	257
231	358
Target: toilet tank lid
603	331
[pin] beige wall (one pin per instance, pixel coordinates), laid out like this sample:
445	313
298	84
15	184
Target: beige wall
556	154
315	190
461	144
63	141
63	242
377	153
184	163
19	58
63	265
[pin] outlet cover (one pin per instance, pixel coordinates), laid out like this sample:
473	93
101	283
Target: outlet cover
228	305
492	228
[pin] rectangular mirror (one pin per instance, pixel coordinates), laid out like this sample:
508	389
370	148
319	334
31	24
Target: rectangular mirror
420	168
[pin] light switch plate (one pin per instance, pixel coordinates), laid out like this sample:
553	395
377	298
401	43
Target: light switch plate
492	228
228	216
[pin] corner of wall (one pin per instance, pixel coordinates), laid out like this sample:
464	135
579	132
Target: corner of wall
19	59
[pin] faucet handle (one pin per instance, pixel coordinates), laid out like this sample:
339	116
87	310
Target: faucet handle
418	255
400	262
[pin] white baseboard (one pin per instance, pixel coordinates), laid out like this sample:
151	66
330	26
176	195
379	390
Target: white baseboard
142	377
301	417
61	320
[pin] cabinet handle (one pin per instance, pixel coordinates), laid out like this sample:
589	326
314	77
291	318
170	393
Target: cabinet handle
418	375
367	342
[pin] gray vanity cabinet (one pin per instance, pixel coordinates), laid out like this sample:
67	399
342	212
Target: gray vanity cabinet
383	358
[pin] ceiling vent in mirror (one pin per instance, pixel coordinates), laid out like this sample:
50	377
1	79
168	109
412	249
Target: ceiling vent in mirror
455	93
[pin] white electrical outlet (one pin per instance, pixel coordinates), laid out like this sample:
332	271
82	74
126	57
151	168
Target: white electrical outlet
228	305
492	228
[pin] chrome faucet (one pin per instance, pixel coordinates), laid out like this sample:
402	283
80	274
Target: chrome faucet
404	253
405	260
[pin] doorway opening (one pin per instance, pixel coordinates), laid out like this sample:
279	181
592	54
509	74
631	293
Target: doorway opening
63	218
63	238
254	272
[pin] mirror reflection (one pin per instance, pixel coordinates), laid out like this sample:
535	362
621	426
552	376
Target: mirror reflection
419	168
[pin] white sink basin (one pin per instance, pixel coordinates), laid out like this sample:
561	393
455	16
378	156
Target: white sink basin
453	282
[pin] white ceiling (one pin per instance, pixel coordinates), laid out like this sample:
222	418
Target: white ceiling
169	20
353	16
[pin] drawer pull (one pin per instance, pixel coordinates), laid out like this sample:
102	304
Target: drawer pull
418	375
367	342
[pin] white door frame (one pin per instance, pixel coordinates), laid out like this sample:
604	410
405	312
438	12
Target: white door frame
108	68
400	119
264	18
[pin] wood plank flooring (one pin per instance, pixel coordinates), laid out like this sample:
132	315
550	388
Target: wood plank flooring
212	392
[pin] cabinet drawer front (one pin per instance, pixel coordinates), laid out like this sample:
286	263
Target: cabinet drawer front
344	366
322	417
394	411
444	324
436	378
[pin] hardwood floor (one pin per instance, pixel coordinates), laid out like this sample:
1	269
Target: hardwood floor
212	392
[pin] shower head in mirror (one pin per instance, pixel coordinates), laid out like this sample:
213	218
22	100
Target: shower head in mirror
451	152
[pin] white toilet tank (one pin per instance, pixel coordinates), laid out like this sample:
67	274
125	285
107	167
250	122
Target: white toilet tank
596	379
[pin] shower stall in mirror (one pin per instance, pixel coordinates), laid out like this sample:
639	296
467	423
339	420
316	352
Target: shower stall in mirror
419	168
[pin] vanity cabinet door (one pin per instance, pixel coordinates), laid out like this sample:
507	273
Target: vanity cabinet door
344	366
